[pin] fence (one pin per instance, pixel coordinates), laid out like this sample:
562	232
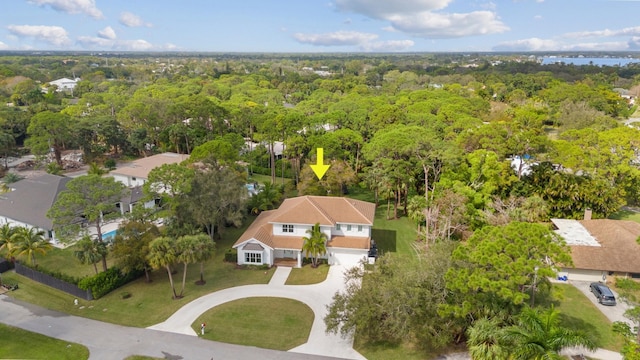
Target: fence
5	265
53	282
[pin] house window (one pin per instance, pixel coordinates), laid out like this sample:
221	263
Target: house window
253	258
133	178
359	228
348	227
287	228
338	227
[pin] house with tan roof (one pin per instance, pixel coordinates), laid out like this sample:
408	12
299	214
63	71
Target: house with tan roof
277	235
137	172
600	248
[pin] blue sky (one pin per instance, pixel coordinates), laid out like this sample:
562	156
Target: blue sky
321	25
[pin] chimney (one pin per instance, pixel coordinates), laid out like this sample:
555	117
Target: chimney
587	214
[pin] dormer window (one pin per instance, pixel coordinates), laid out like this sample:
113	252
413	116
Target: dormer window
338	227
348	227
286	228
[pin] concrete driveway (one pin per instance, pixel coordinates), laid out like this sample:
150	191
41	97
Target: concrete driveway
316	296
613	313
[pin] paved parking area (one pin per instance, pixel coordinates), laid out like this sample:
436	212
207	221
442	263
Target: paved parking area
613	313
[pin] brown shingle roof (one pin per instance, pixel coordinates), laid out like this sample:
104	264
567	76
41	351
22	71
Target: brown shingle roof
326	210
351	242
310	210
140	168
618	252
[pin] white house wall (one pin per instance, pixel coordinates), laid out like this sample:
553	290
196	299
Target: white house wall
267	255
298	230
366	230
14	223
128	180
584	274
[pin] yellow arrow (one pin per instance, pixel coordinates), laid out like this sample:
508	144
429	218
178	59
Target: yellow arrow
320	168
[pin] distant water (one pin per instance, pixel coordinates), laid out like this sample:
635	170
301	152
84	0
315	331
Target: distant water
546	60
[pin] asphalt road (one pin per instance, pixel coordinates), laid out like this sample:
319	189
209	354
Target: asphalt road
108	341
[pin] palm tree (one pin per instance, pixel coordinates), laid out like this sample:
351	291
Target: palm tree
162	254
204	251
315	244
187	254
485	340
90	252
6	237
538	335
416	209
28	241
95	169
266	198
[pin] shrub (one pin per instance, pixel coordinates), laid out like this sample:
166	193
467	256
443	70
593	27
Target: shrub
307	260
110	164
231	256
627	284
107	281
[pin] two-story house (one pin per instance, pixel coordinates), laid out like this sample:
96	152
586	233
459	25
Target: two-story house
278	234
134	174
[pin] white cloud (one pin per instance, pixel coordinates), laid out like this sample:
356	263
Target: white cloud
134	45
634	43
424	18
87	7
54	35
435	25
338	38
132	20
537	44
387	46
364	41
93	41
630	31
598	46
107	33
3	46
537	17
382	9
532	44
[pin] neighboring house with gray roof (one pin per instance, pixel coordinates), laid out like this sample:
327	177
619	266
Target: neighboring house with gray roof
277	235
27	202
600	248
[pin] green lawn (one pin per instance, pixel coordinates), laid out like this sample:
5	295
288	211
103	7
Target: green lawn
307	275
150	303
626	215
259	178
265	322
21	344
579	313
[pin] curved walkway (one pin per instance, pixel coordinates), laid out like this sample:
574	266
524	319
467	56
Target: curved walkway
316	296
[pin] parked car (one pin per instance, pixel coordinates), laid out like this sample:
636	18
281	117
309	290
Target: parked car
603	294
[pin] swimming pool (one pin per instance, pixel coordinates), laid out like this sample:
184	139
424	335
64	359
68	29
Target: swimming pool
108	236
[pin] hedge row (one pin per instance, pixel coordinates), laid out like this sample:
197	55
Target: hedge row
107	281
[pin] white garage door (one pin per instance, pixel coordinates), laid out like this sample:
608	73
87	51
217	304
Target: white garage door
585	275
346	257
